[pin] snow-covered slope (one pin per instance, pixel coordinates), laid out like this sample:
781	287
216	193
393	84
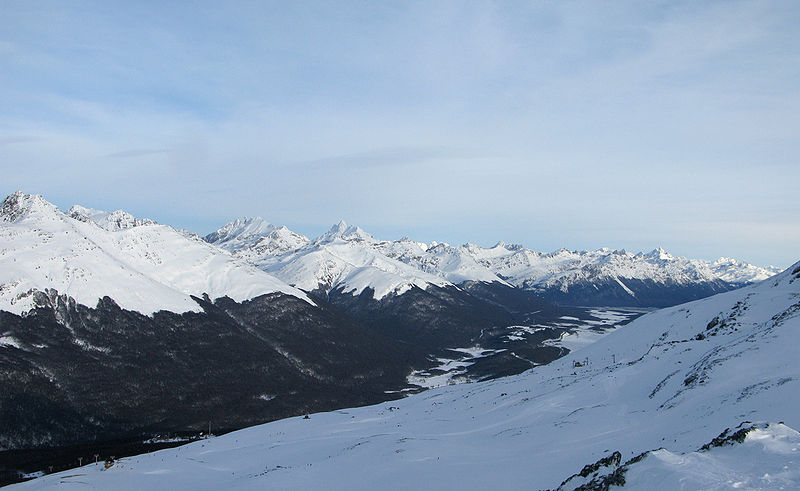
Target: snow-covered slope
673	379
143	266
766	458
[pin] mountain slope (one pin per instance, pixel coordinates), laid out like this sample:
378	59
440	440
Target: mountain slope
675	378
143	266
73	374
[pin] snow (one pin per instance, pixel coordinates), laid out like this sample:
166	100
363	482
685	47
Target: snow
583	333
142	265
627	290
651	384
117	220
560	269
6	340
451	263
347	257
450	371
244	233
768	459
734	271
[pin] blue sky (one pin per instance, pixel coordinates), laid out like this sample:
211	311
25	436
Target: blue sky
552	124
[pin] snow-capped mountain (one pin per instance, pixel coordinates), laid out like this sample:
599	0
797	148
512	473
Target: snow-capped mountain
440	259
116	220
740	272
348	258
614	277
560	268
255	236
593	278
344	258
661	400
88	254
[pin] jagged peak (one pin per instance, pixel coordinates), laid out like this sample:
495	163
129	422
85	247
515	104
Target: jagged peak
439	246
284	231
339	227
347	232
121	220
660	253
250	225
241	228
113	221
85	214
18	204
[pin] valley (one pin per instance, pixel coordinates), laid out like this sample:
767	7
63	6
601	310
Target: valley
701	395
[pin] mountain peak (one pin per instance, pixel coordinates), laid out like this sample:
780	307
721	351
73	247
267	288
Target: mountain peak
347	232
114	221
339	228
661	254
240	232
18	204
85	214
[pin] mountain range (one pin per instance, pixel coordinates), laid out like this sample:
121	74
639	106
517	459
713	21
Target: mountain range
348	259
703	395
117	327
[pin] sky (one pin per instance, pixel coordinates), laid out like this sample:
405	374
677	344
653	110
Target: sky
629	125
